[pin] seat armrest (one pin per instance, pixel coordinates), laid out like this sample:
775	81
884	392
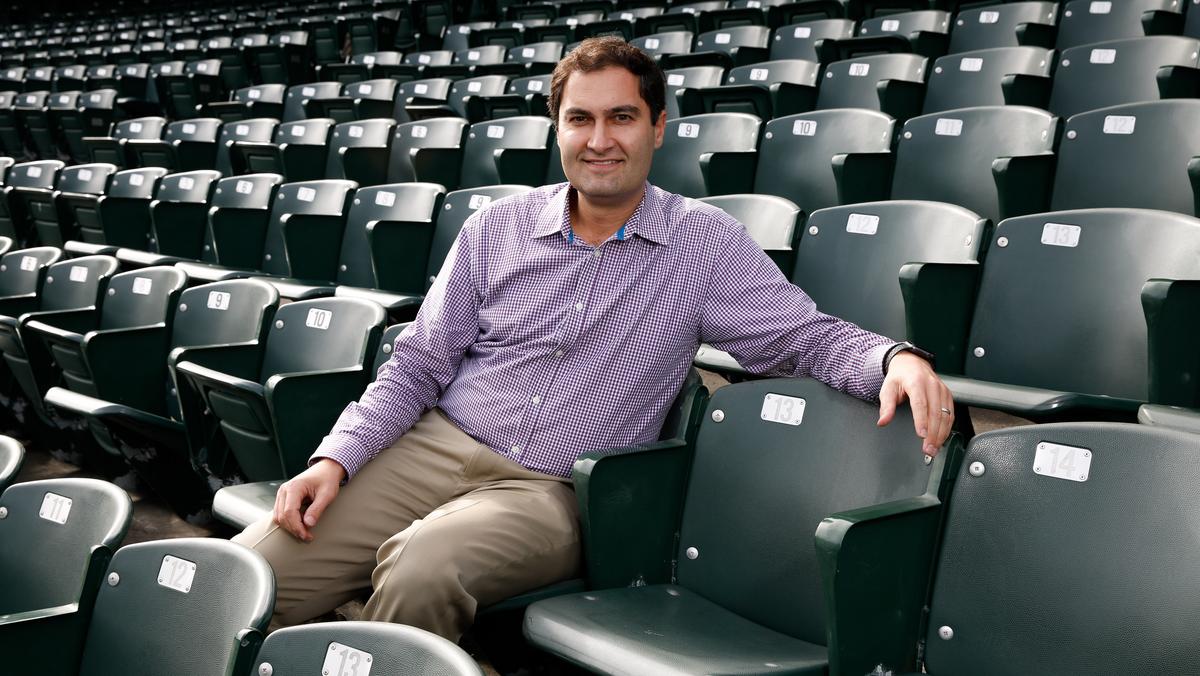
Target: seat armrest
1037	35
1040	405
1162	22
312	244
901	99
939	304
1170	416
521	166
242	360
206	378
875	612
135	382
437	165
1022	89
863	177
65	324
1023	183
1178	82
728	173
712	359
1172	310
304	406
630	504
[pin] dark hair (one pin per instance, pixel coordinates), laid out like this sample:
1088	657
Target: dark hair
596	54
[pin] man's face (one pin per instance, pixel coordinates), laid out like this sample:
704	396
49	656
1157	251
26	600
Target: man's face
606	136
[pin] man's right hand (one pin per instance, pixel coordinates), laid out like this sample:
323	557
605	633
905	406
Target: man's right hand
300	501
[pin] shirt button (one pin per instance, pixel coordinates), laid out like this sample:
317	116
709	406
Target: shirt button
596	253
579	307
558	353
516	449
536	399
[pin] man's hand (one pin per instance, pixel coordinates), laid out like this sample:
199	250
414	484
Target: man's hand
300	501
911	377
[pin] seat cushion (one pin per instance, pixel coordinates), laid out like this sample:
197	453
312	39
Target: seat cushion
663	629
241	505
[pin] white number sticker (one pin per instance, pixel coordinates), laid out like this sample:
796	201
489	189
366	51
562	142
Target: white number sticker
308	91
384	198
241	129
94	98
365	90
759	74
202	67
1100	8
676	79
889	26
1061	234
534	85
33	172
55	508
689	130
137	179
970	64
297	130
135	127
1119	124
628	16
254	94
244	187
1062	462
285	39
369	60
420	88
804	128
165	69
652	43
862	224
355	131
472	55
423	58
342	660
464	29
860	69
177	574
780	408
495	131
29	263
802	32
187	183
989	17
479	201
318	319
306	194
528	52
420	131
132	70
219	300
722	38
85	174
1103	56
948	126
189	128
142	285
64	99
78	273
474	86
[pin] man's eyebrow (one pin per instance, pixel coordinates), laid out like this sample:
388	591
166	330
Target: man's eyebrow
617	110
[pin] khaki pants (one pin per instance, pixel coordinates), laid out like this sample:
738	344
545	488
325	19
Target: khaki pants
438	525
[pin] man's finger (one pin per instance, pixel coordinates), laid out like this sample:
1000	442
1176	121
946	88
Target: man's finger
935	416
320	501
291	514
277	509
920	410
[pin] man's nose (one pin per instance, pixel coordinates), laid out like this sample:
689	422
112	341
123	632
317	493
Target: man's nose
600	139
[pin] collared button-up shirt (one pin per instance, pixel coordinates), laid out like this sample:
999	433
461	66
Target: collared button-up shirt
542	346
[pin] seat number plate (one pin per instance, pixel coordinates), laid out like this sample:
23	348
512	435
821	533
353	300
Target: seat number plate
254	94
385	198
187	183
1062	462
142	285
355	131
970	64
1061	234
862	224
474	86
28	263
689	130
802	32
859	69
177	574
479	201
420	131
780	408
219	300
495	131
78	273
33	172
242	129
759	74
675	79
85	174
889	26
189	128
722	38
365	90
948	126
342	660
534	86
1119	124
1100	7
1103	56
528	52
804	128
244	187
306	194
318	319
420	88
55	508
137	179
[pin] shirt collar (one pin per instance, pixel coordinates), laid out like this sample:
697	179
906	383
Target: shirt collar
648	220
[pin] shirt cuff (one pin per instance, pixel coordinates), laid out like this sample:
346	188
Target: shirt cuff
872	369
345	451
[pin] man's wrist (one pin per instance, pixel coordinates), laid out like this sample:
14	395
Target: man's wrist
902	347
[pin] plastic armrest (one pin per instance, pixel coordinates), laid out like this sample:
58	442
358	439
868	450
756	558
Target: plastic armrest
247	643
367	166
15	306
1037	404
241	360
1023	89
901	99
521	166
1037	35
863	177
299	289
76	248
789	98
437	165
939	302
712	359
1162	22
1178	82
728	173
206	378
304	406
630	501
1170	416
141	259
1023	183
1172	310
312	244
136	382
875	567
58	322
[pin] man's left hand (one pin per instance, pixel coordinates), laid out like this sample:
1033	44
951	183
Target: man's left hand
911	378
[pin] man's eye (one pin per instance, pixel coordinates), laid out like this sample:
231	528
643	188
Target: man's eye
623	118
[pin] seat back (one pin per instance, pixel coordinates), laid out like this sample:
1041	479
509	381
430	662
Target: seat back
434	57
974	78
146	128
61	534
41	174
690	77
997	25
853	83
439	132
1110	73
22	271
773	222
325	198
799	40
538	52
1074	279
142	297
804	452
76	283
947	157
669	42
256	130
904	24
1135	155
388	234
124	210
767	73
303	146
340	647
375	134
479	56
483	85
222	592
85	179
1063	489
12	455
728	39
485	138
237	218
1085	21
677	165
322	334
178	212
299	95
223	313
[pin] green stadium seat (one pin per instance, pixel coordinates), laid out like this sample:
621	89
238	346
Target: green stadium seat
738	46
178	214
538	52
767	89
458	36
12	455
71	78
436	57
692	77
1086	21
296	101
1066	488
77	196
93	117
249	102
799	40
124	210
298	152
32	113
180	91
510	150
420	94
741	596
250	130
61	103
238	214
389	648
1026	23
891	83
481	56
133	409
359	101
305	229
1112	157
990	77
1104	74
22	273
286	59
11	143
111	149
429	150
706	155
359	150
186	145
274	415
190	623
663	44
773	222
25	179
1081	274
61	534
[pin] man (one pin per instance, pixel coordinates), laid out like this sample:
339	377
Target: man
564	320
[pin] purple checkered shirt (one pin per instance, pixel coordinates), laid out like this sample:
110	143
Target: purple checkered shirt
543	347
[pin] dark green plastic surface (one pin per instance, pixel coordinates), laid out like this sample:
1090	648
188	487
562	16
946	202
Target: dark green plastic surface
429	150
1084	85
1002	26
705	155
517	154
393	649
976	78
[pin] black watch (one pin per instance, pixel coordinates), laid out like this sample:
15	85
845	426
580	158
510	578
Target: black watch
905	347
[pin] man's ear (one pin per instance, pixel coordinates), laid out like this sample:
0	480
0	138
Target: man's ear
660	128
